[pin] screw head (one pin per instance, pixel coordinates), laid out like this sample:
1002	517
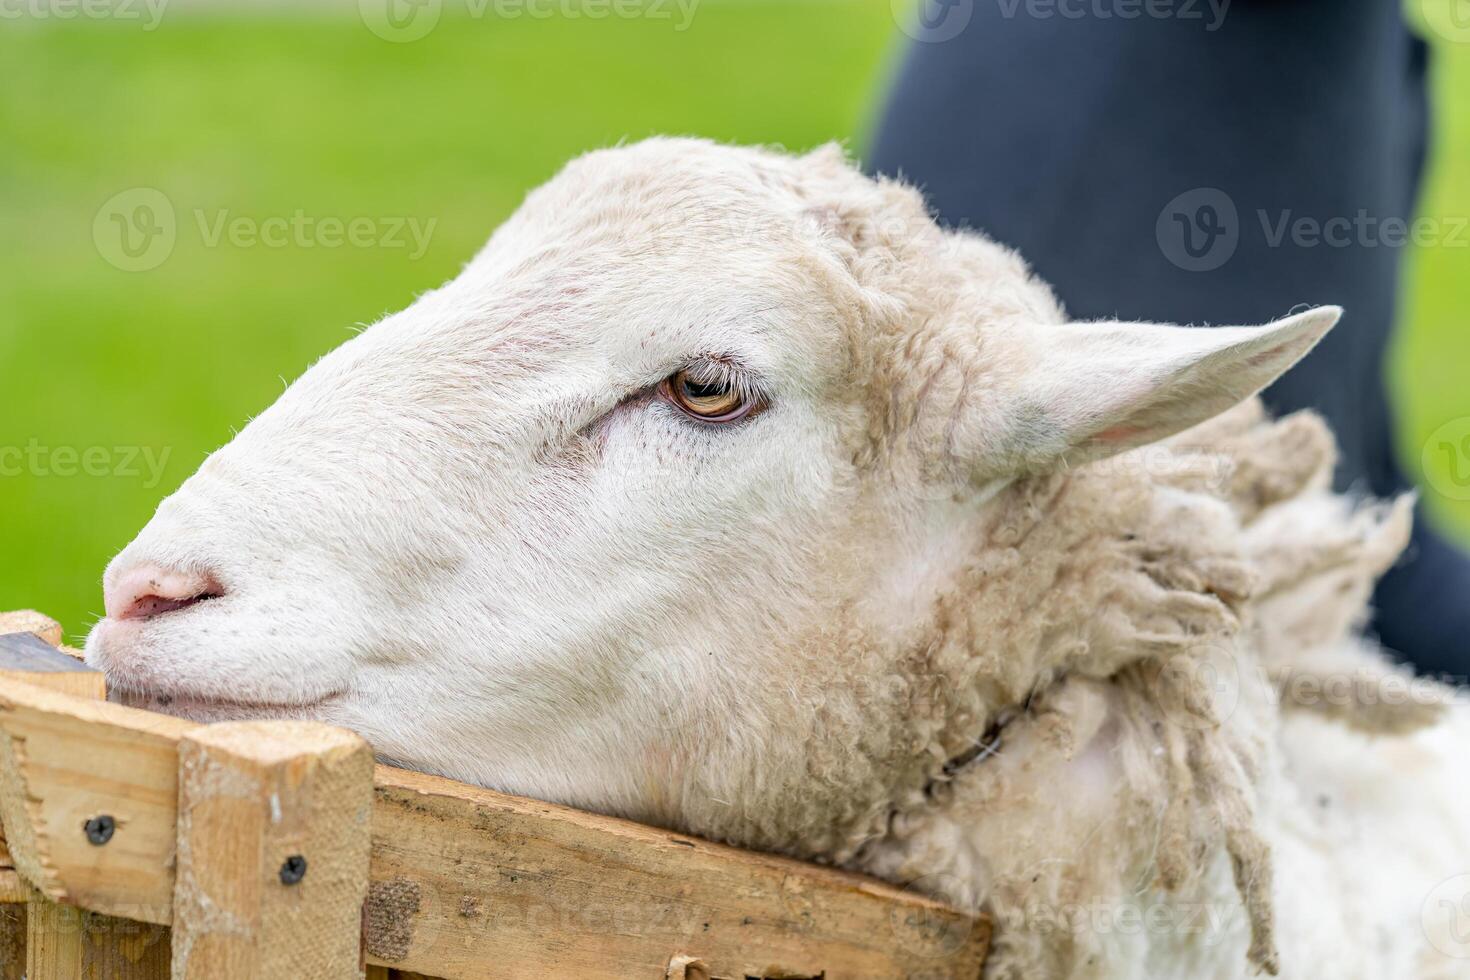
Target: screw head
293	869
99	829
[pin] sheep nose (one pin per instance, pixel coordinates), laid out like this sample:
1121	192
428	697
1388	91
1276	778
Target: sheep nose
152	590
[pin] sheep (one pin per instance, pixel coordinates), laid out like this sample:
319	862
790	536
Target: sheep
725	491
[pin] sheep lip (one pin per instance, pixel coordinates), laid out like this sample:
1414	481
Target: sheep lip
188	705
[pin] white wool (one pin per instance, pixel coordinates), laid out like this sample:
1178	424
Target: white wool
1014	611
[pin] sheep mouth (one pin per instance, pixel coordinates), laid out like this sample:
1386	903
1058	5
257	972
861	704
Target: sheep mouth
209	709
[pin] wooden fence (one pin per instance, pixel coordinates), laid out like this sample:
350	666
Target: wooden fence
140	846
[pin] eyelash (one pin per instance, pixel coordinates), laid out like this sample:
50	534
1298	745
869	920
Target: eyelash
712	371
737	387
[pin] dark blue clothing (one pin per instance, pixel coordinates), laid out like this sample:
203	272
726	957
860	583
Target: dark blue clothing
1157	168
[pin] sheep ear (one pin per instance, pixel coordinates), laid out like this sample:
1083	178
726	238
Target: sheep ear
1096	389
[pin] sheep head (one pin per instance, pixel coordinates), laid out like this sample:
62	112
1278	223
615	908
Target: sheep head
673	504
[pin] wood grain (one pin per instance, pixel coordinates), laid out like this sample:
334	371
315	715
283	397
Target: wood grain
273	832
28	650
60	942
13	941
543	890
66	943
30	621
28	658
65	760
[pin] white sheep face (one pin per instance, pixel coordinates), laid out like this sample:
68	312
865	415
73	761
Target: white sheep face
480	534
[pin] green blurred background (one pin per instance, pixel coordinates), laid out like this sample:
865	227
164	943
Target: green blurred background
304	109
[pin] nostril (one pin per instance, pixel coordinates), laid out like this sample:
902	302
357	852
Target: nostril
151	590
154	605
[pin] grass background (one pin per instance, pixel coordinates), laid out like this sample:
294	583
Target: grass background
268	114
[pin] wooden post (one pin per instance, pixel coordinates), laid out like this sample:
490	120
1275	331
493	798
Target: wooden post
61	942
27	652
12	941
274	833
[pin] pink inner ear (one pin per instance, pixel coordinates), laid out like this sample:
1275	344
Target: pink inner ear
1268	356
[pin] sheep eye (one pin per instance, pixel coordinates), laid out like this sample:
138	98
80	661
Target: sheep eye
708	399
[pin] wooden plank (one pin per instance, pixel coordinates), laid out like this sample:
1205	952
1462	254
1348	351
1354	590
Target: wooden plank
12	888
466	879
66	943
26	657
28	652
543	890
65	761
30	621
274	832
61	942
